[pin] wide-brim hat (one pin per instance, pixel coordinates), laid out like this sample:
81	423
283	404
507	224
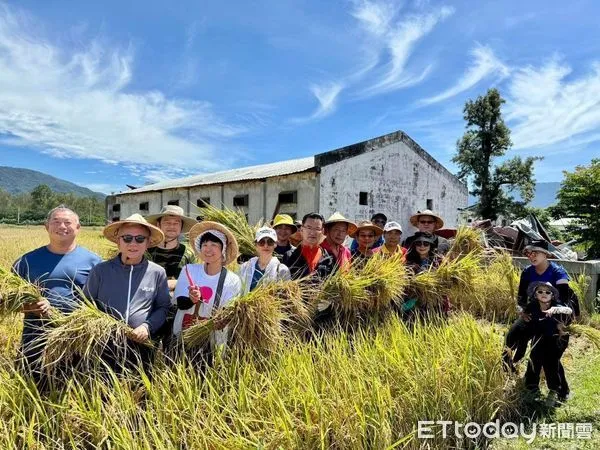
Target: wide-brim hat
284	219
337	217
111	231
232	250
367	225
536	284
173	210
414	219
425	237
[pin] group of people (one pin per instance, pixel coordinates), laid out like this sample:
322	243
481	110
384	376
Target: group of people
160	286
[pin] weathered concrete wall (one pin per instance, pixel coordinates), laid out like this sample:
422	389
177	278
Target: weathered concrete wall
398	178
130	204
304	184
196	193
262	197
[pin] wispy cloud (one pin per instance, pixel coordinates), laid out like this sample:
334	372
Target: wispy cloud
72	102
400	40
483	65
545	107
326	95
375	17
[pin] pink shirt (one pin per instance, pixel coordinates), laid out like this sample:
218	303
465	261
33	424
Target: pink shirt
344	255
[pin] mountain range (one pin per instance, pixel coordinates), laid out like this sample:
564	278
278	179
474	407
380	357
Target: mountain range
16	181
545	195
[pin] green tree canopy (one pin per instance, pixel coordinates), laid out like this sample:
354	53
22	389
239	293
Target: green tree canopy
487	137
579	198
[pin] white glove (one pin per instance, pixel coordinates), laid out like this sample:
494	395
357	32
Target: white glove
559	310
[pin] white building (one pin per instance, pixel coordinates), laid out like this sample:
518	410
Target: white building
390	174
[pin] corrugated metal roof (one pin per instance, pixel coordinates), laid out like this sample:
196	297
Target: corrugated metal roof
229	176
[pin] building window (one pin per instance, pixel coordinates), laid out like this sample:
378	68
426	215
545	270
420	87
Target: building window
363	198
116	207
293	216
240	201
202	202
173	202
116	219
144	206
430	204
290	197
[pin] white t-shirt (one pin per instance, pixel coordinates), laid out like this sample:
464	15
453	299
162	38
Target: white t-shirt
208	286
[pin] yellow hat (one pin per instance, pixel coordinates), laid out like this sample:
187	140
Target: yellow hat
284	219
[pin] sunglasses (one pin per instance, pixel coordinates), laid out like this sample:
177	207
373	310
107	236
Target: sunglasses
128	238
422	244
264	242
543	292
426	221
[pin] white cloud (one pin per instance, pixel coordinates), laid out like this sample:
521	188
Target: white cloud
74	103
548	105
484	64
375	17
327	95
400	41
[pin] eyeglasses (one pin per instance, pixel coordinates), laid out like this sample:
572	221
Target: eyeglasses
531	253
264	242
314	230
426	221
128	238
368	236
543	292
422	244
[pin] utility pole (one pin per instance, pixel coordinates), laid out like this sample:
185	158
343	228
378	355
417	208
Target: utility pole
18	215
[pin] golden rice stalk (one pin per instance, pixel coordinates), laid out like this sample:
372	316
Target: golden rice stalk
236	222
591	333
294	298
428	290
386	280
83	334
15	292
254	321
347	293
467	240
580	284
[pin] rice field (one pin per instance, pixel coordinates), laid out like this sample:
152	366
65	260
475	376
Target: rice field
366	388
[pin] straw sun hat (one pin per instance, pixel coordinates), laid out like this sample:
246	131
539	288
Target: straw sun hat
414	219
336	217
111	231
232	251
367	225
176	211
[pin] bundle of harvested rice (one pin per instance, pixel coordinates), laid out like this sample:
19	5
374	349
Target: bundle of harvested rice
387	279
294	297
236	222
254	320
427	289
466	241
347	294
493	292
15	292
84	334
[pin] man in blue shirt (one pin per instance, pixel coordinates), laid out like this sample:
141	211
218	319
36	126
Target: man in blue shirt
540	270
59	268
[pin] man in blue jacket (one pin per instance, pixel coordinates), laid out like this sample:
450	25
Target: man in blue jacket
131	288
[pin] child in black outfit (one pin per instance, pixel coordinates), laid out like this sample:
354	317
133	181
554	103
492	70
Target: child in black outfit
548	318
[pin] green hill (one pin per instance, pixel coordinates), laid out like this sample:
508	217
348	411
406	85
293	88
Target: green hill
16	180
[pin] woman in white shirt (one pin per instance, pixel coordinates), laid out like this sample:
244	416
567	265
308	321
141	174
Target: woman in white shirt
205	287
264	267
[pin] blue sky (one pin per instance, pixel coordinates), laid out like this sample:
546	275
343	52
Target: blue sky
107	93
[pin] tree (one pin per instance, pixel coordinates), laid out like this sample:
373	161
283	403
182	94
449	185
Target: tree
579	198
42	201
487	137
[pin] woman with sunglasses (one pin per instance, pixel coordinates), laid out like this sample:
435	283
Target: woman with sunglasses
264	267
549	341
132	289
422	253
